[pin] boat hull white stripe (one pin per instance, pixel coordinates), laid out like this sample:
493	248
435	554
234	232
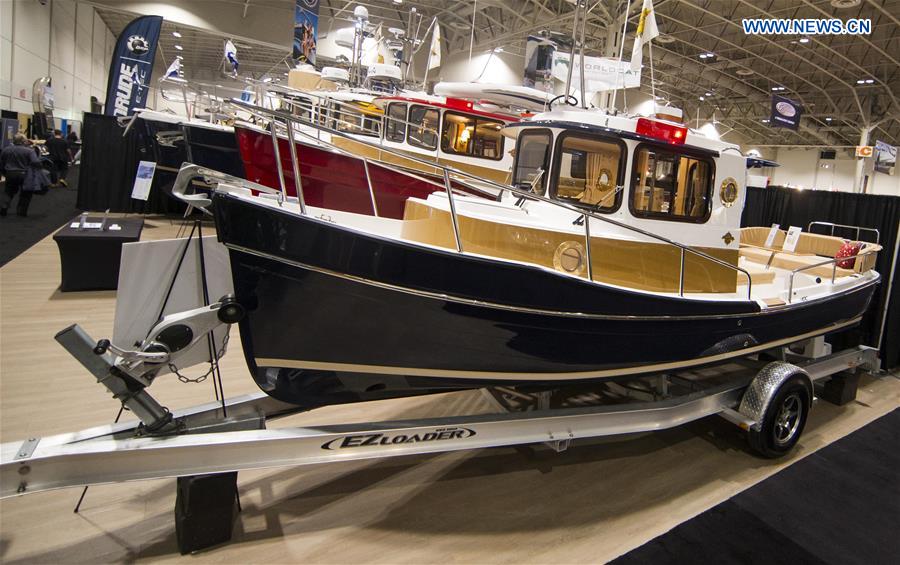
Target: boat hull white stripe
501	376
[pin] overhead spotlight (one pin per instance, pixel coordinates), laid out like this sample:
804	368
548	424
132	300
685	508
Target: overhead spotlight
703	55
708	94
827	119
869	81
765	121
179	47
710	55
398	1
702	99
176	34
804	40
179	57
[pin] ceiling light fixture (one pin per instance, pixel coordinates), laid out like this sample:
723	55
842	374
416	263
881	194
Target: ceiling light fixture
869	81
845	3
744	72
176	34
827	119
179	47
702	99
665	39
804	40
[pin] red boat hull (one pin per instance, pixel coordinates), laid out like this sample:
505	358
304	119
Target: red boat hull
329	179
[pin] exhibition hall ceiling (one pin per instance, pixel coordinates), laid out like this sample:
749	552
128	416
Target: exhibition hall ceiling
842	81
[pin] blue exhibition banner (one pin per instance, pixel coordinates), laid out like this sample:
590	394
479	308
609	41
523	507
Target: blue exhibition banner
132	66
785	113
306	31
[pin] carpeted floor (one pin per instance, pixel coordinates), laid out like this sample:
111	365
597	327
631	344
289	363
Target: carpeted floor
838	505
45	215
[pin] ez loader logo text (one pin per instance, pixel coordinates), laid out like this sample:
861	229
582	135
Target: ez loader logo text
381	439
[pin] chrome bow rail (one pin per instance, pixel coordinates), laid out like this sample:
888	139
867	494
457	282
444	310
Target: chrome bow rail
833	262
845	226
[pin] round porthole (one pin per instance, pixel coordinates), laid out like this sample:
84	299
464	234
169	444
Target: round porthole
729	192
569	258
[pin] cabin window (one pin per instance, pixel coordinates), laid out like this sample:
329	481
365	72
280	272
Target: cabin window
395	125
352	120
532	160
423	127
588	170
670	186
475	137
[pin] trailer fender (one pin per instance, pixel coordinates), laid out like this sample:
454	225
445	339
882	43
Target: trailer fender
765	386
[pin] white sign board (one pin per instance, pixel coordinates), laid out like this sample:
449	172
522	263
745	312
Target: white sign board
793	236
600	73
143	179
770	239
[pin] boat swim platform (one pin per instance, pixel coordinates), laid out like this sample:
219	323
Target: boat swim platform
307	511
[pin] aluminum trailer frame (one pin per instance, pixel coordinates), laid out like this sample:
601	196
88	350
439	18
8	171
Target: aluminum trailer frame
208	443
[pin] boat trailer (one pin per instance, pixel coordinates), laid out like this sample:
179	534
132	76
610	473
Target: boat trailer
205	446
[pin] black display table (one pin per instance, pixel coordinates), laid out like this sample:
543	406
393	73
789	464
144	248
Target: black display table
90	257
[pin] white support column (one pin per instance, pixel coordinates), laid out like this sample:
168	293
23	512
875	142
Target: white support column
859	177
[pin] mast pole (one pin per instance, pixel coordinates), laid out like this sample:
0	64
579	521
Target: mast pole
619	62
581	50
472	36
572	51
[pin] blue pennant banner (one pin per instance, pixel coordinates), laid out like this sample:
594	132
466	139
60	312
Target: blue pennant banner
132	66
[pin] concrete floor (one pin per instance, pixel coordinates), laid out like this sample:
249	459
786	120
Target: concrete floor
589	504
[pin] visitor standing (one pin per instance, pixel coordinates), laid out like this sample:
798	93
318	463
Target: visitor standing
15	161
58	148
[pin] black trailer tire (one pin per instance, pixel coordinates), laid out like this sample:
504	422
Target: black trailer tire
783	420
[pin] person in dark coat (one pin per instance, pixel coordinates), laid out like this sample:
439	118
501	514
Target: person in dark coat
58	148
74	145
15	161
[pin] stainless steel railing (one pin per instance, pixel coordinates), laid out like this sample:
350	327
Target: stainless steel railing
845	226
275	116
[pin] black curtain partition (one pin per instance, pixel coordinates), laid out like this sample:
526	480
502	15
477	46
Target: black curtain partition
109	164
792	207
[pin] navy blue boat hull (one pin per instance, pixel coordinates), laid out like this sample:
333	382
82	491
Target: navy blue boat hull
337	316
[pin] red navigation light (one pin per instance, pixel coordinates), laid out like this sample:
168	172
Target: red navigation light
459	103
660	130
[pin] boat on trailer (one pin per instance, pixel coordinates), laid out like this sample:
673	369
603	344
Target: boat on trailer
340	307
578	273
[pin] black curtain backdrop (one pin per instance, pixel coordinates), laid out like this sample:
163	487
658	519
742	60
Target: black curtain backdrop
109	163
792	207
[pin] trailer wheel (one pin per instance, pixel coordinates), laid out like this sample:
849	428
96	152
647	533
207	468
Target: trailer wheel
783	419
